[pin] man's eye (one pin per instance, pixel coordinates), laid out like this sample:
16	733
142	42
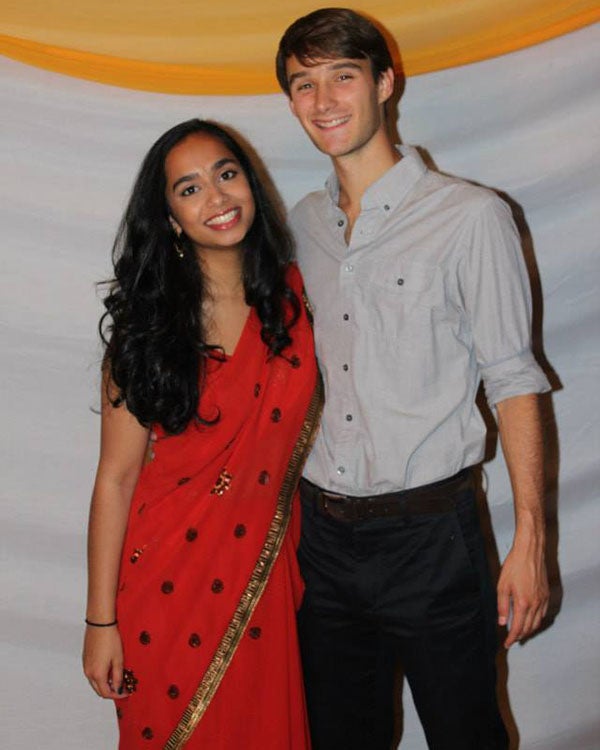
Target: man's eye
344	77
304	86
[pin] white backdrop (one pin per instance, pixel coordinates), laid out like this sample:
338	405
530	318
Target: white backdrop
526	123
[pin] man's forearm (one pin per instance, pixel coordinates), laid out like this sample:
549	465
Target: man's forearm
523	584
520	428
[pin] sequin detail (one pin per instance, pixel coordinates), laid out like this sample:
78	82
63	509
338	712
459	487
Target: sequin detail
217	586
223	483
264	477
147	733
167	587
255	633
145	638
173	692
136	554
130	681
276	415
194	640
239	531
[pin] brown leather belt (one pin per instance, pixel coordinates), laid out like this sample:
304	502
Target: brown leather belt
437	497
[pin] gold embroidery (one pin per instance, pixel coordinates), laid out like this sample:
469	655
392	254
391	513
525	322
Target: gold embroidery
258	580
223	483
310	313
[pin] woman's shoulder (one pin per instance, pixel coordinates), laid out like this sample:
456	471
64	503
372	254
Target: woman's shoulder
293	278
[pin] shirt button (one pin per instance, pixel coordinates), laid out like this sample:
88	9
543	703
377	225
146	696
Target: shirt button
346	316
386	207
349	267
400	282
341	223
341	470
348	417
345	368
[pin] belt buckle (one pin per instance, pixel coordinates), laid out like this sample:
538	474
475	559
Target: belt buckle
334	501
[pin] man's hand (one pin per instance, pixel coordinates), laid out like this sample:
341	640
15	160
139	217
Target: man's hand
523	586
523	591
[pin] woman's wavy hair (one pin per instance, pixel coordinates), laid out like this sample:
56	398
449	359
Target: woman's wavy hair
152	329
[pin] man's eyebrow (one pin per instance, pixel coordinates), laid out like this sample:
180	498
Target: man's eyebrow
332	66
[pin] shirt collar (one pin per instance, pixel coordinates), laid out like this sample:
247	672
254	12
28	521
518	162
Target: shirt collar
390	189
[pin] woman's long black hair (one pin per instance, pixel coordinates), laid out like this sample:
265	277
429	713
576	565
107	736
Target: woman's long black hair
152	329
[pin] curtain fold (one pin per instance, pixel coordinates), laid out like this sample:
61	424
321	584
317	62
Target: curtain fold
188	48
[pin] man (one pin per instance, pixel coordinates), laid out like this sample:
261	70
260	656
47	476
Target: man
419	291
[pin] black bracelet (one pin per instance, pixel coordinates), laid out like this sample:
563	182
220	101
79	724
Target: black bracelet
101	624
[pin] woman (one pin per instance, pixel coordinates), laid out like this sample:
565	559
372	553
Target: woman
193	582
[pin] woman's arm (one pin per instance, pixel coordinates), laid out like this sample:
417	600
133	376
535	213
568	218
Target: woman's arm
122	447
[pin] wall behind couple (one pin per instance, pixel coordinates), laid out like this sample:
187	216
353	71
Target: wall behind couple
526	123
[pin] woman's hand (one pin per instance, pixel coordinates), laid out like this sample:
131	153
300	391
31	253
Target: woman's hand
103	661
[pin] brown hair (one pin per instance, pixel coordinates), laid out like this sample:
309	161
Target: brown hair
332	33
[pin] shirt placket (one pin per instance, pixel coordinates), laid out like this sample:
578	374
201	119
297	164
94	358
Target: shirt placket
349	279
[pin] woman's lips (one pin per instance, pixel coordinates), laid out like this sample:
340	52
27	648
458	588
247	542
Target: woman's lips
225	220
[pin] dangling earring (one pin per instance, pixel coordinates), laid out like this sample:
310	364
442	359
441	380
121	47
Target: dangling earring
178	248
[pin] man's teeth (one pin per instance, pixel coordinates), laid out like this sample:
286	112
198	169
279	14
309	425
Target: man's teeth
224	218
332	123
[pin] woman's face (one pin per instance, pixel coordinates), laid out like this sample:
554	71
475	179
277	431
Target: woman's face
208	195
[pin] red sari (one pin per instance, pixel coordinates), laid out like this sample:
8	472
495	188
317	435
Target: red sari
209	582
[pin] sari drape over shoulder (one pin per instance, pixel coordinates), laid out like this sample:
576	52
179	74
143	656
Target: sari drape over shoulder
209	582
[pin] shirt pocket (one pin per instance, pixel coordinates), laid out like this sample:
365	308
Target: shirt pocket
404	299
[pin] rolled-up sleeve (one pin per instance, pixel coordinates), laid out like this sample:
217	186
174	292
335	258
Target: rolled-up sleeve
495	289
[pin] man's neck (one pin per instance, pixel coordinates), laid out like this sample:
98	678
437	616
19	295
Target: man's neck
356	172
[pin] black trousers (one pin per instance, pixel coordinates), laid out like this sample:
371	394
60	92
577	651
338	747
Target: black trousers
415	589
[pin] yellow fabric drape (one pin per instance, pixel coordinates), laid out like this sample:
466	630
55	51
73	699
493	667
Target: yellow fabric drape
186	47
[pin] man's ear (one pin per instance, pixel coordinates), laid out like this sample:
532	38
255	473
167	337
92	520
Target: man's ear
385	85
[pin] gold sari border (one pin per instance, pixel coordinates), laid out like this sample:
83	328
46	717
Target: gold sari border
258	580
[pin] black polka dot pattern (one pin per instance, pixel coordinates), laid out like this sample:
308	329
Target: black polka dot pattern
167	587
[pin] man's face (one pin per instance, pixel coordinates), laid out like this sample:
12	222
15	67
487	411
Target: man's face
338	103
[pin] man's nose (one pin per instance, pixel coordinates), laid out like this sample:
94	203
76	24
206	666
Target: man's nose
323	98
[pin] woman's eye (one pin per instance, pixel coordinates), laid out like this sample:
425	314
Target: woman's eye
229	174
189	190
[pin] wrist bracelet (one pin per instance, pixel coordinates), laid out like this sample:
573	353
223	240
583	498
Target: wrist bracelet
100	624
